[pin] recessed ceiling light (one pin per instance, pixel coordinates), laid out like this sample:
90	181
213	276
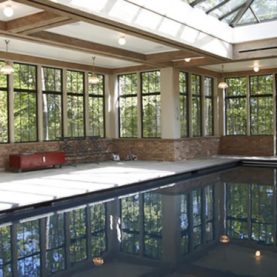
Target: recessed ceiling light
122	40
8	11
187	60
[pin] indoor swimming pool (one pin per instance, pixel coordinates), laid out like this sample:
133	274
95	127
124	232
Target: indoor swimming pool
213	224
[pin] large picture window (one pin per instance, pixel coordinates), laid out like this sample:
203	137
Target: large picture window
235	106
97	108
75	103
151	104
196	111
128	105
25	102
183	90
52	103
3	108
261	105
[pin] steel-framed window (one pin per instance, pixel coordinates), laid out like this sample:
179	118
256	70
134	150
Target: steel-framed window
261	105
96	93
151	104
236	106
52	103
183	96
25	102
128	105
75	103
196	107
208	107
4	108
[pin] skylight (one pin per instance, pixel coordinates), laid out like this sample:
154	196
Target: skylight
238	12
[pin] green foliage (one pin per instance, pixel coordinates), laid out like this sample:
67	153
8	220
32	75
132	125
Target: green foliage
236	112
183	100
128	102
196	109
3	116
151	110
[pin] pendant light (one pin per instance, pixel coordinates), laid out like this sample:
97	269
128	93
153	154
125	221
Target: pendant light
222	85
7	69
93	79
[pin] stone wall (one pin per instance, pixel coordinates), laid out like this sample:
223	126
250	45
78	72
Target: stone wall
246	145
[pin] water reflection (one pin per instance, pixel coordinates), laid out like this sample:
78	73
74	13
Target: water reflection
167	225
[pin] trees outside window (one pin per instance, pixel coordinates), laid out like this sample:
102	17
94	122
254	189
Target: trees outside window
183	90
25	102
208	107
151	104
75	103
52	103
235	106
196	109
96	107
4	137
261	105
128	105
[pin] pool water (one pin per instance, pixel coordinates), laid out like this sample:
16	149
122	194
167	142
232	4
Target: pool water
170	230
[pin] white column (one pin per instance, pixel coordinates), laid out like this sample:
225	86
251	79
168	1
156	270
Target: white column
40	104
64	95
170	115
111	106
11	109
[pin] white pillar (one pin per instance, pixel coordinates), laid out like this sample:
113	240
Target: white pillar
111	106
170	115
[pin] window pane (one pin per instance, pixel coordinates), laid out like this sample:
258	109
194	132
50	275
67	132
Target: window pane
25	103
261	105
3	107
128	105
208	106
196	105
235	103
96	108
5	252
183	104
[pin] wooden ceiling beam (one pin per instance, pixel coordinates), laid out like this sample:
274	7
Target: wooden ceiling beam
50	62
33	22
87	46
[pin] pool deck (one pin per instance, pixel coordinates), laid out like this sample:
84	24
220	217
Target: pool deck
32	187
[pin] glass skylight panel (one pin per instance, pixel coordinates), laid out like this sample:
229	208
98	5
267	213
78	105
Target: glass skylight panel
230	18
209	4
265	9
226	8
247	18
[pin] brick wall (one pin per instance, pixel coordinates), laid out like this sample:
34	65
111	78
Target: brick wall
94	150
246	145
166	149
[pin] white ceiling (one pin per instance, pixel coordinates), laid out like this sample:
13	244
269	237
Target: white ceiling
20	10
244	66
58	53
93	33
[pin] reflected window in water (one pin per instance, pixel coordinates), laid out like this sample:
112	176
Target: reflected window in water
152	214
5	251
130	228
28	248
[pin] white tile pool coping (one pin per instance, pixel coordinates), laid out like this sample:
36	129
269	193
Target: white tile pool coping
32	187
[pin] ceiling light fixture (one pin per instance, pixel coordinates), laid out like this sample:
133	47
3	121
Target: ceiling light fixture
7	68
93	79
122	40
8	11
187	60
222	85
256	68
